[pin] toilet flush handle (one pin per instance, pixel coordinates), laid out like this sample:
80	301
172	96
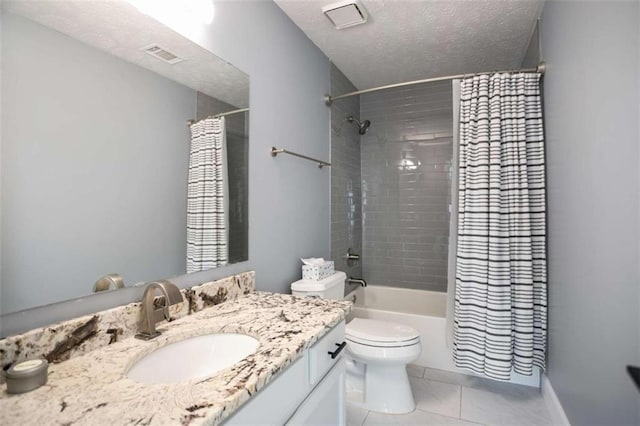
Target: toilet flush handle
335	353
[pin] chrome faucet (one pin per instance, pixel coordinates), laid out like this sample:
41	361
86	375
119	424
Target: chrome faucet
151	315
359	281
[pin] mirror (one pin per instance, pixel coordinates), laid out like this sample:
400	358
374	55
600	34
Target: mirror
95	158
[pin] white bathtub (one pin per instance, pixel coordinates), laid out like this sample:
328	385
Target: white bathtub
423	310
426	312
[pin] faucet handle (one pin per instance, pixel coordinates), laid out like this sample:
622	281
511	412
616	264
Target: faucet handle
172	293
351	258
160	314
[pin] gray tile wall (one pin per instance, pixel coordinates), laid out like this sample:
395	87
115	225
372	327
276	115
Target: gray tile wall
346	208
406	207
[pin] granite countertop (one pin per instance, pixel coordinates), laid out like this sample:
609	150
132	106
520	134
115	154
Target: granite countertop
93	389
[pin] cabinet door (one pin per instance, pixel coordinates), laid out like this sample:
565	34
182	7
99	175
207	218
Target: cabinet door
325	405
270	406
320	361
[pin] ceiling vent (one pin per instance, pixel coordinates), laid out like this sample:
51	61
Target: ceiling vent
345	14
162	54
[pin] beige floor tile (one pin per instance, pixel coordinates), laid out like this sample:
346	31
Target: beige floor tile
355	415
447	376
470	381
436	397
503	404
418	417
415	370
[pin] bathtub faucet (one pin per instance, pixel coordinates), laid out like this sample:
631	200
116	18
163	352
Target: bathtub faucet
360	281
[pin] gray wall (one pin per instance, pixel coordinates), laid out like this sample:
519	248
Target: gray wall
1	230
346	206
591	94
92	171
406	212
289	198
289	214
532	55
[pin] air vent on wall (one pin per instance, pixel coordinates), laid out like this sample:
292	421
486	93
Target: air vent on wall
345	14
162	54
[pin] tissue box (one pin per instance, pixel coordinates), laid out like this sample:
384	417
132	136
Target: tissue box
319	272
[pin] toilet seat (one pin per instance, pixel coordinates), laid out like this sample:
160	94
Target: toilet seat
382	344
381	334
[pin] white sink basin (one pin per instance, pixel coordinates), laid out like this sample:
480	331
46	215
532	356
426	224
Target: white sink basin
194	358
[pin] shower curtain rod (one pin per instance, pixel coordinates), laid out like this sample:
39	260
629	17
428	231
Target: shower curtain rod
222	114
328	99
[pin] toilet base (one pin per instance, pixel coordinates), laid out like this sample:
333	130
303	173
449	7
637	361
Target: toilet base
385	389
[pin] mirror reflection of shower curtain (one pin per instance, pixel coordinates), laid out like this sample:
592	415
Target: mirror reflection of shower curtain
453	216
207	196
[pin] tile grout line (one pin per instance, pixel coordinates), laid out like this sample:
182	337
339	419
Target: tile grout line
461	418
437	380
460	405
444	415
365	418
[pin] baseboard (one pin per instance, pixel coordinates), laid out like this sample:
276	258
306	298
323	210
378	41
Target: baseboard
558	416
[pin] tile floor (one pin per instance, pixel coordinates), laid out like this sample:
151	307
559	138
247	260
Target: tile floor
444	398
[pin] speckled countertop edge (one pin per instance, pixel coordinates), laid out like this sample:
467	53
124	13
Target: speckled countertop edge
93	389
67	339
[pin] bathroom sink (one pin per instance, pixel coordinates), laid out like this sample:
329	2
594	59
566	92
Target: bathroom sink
193	358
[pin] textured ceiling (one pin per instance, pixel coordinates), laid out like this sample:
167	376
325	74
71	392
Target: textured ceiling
118	28
407	40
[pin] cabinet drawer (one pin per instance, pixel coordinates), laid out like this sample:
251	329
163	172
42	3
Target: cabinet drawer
320	361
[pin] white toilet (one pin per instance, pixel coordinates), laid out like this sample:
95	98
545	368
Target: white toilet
377	353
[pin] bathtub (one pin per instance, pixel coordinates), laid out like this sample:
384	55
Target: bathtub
421	309
426	312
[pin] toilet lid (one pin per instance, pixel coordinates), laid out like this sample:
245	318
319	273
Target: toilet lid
384	332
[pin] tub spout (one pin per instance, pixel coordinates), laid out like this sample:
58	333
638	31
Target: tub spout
358	281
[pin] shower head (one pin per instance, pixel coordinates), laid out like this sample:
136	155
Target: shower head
362	127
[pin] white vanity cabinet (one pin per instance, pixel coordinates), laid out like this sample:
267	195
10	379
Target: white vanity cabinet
309	392
326	404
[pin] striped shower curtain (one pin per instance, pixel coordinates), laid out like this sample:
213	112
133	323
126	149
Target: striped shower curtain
207	196
501	280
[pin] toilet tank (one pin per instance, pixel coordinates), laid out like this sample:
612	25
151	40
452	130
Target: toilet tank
331	287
